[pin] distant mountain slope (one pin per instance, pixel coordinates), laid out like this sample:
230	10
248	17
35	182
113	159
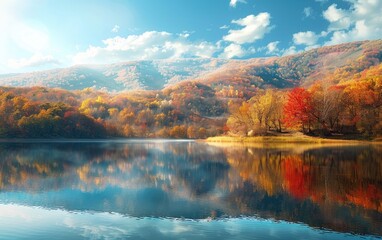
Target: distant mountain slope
300	69
336	63
136	75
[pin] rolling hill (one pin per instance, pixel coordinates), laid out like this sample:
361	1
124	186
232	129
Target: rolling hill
136	75
332	62
301	69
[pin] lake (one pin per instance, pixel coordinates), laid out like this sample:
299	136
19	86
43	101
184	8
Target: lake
164	189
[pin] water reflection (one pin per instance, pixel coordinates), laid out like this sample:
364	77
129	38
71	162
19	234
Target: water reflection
338	188
73	225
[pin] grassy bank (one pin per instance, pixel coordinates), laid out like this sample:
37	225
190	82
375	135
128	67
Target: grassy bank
280	139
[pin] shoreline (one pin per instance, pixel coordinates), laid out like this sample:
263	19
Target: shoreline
90	140
285	139
303	139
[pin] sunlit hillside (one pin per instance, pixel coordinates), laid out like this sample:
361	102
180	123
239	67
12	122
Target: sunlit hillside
342	87
338	63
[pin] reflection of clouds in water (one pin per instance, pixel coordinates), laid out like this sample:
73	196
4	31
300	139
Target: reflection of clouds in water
149	228
181	229
20	212
102	232
96	225
114	226
60	224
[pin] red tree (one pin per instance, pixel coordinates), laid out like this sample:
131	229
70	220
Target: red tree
298	108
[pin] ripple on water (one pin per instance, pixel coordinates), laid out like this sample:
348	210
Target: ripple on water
24	222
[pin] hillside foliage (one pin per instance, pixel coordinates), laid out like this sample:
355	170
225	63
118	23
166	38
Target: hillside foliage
324	91
353	107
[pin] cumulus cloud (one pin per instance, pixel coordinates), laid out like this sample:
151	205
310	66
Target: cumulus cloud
272	48
254	28
338	18
333	14
36	60
362	21
233	50
149	45
290	51
308	38
233	3
115	29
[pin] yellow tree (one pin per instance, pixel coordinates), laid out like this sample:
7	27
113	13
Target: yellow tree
241	121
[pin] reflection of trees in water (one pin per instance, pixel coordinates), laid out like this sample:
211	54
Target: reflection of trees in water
94	166
202	179
285	207
324	187
327	187
258	166
16	167
323	175
36	167
352	176
182	169
139	179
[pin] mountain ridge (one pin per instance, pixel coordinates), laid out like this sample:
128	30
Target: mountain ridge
301	69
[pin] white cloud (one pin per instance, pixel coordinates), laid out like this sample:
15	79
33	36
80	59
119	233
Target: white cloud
290	51
233	50
272	47
338	18
185	34
37	60
362	21
233	3
254	28
224	27
308	38
312	47
149	45
115	29
308	11
333	14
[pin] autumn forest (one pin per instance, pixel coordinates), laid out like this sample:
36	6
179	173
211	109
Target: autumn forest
305	92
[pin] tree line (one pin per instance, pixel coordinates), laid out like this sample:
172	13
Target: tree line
353	107
195	110
189	111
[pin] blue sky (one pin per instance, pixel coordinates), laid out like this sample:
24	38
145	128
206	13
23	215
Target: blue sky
44	34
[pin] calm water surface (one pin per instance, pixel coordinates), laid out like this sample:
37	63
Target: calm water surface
187	190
